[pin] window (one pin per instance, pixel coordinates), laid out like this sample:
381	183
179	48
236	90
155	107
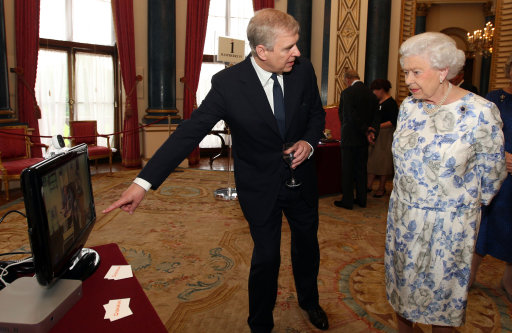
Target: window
77	66
225	18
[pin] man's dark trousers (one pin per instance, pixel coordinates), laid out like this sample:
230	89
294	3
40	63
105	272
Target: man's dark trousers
305	255
354	161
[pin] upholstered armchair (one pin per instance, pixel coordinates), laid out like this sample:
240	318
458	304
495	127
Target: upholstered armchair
85	131
15	153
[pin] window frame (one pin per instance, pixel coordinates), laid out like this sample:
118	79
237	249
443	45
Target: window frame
71	48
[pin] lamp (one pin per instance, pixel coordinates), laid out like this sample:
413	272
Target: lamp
481	40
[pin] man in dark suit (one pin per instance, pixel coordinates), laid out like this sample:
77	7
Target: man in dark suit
357	112
249	97
458	80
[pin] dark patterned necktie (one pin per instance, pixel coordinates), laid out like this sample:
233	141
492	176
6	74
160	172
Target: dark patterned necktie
278	105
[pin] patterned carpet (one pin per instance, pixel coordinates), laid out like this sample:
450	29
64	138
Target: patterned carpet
191	254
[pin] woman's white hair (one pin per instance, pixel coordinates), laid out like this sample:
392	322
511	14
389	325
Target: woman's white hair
439	49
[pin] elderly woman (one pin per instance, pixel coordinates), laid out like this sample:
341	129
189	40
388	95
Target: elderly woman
449	160
495	235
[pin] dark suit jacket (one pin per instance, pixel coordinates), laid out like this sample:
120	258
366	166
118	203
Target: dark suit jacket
468	86
238	98
357	112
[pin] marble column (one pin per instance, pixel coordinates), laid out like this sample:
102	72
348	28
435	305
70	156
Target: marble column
301	10
161	61
325	52
377	40
421	18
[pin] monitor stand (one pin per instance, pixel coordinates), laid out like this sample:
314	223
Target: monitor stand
26	306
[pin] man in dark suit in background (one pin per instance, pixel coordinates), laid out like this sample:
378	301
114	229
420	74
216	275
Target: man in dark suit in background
458	80
359	126
249	97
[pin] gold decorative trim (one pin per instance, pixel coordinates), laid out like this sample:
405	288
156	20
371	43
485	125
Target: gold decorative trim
347	41
407	23
422	9
161	117
502	48
162	111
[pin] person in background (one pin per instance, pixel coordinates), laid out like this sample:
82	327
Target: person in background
249	98
357	112
380	160
449	160
458	80
495	235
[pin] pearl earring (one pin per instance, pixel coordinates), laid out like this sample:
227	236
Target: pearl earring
440	80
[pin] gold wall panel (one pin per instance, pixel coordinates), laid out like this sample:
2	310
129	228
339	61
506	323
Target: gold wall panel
347	41
407	24
502	45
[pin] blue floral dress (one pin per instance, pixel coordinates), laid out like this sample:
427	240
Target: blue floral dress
447	165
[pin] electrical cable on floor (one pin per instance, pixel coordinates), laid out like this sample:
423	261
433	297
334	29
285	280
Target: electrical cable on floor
9	212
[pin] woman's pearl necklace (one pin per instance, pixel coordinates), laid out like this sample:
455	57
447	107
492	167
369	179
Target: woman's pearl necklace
438	105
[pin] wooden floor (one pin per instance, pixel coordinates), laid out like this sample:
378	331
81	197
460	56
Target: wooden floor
220	163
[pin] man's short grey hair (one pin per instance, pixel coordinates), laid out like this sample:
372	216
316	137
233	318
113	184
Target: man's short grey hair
351	74
266	25
507	67
439	49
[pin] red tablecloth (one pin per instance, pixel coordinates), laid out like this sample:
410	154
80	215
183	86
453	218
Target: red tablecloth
328	167
87	314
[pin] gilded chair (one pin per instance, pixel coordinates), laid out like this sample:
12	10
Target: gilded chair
15	153
85	131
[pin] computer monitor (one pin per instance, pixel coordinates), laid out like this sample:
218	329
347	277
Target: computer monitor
60	214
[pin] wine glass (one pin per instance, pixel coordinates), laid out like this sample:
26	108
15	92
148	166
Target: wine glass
288	158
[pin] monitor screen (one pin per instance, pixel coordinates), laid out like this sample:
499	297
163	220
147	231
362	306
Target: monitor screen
60	211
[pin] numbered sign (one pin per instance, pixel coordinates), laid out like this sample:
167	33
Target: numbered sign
231	50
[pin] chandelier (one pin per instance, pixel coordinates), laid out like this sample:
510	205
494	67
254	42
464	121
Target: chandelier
481	40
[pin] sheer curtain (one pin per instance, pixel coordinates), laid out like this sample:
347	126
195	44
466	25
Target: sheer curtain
52	93
95	92
92	82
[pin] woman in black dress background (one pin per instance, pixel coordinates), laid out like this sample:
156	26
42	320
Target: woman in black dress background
380	161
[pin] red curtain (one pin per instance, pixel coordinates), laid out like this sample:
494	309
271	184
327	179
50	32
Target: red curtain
27	48
123	22
260	4
197	20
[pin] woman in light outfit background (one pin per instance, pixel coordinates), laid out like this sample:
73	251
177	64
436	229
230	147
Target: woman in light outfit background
449	160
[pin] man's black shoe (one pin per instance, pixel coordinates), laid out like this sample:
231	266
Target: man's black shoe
318	318
341	204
